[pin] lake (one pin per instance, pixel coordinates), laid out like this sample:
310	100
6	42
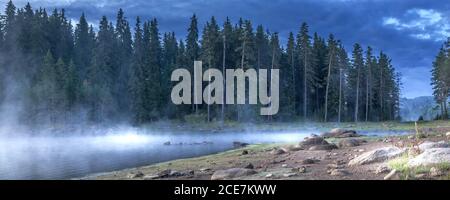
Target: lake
48	157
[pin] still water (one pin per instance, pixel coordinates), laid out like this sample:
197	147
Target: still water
47	157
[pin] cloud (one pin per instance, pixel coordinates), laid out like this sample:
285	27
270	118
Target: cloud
424	24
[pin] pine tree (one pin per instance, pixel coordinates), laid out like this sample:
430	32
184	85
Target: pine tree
355	78
304	50
192	48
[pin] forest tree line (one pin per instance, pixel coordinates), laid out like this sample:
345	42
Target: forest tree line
441	79
122	72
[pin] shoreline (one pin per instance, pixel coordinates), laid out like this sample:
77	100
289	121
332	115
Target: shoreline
266	163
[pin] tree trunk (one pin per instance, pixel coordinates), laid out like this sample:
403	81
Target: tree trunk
381	95
328	87
242	67
209	90
368	81
305	88
223	73
340	95
293	83
357	96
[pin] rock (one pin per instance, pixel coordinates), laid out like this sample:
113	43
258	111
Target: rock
301	169
175	173
249	166
277	152
339	172
204	169
340	133
350	142
289	175
312	141
382	169
377	155
387	140
435	172
138	174
151	177
164	173
284	165
167	143
325	147
269	175
232	173
393	175
309	161
245	152
239	144
447	134
430	145
431	157
339	162
411	137
334	166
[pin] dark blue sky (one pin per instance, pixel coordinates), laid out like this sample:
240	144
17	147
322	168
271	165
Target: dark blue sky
410	31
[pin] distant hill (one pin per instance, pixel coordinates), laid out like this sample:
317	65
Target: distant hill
412	109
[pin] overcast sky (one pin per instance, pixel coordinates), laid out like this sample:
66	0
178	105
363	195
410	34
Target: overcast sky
409	31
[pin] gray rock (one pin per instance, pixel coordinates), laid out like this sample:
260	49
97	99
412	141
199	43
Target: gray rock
232	173
350	142
447	134
301	169
431	157
430	145
277	152
382	169
340	133
312	141
138	174
325	147
377	155
249	166
435	172
151	177
245	152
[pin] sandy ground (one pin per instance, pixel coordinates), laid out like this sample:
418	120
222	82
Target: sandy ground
274	167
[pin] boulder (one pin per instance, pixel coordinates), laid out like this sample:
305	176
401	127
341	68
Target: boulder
377	155
312	141
325	147
431	145
447	134
350	142
277	152
232	173
340	133
249	166
431	157
245	152
435	172
382	169
339	172
292	148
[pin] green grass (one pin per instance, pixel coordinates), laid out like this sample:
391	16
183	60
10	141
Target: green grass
406	173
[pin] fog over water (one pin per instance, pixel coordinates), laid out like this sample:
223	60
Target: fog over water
53	157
